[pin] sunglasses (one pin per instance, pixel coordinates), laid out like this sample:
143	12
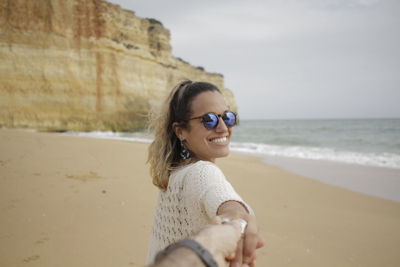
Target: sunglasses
210	120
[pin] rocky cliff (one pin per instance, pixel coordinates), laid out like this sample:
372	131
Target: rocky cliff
84	65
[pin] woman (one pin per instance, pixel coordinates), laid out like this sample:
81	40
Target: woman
192	130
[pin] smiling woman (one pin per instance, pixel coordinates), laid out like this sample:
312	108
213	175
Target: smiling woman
204	136
192	130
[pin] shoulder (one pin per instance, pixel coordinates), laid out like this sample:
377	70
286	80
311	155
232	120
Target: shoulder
198	170
204	164
203	174
204	168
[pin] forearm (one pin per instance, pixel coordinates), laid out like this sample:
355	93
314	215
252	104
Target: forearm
232	209
180	257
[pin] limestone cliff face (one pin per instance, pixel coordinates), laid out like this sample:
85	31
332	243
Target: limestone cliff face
84	65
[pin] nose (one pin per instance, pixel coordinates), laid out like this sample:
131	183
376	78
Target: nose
221	127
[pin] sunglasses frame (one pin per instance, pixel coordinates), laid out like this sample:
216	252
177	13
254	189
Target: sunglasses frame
218	116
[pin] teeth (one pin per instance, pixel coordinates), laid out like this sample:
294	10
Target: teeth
219	140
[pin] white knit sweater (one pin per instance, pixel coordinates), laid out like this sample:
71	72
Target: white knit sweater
191	201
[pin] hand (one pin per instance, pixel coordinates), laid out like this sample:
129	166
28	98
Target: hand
220	241
250	241
247	245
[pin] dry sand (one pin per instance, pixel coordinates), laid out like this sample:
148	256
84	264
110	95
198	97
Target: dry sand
73	201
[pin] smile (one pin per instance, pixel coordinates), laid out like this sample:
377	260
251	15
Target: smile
219	140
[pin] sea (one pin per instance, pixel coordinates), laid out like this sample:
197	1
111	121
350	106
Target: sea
371	142
368	142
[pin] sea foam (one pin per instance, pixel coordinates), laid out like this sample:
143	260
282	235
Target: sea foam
387	160
131	137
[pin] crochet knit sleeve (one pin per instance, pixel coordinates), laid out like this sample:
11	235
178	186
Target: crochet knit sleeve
207	185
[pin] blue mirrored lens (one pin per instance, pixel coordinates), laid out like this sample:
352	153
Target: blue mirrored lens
229	119
210	120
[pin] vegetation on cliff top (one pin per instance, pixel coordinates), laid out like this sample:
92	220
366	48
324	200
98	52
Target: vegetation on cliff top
154	21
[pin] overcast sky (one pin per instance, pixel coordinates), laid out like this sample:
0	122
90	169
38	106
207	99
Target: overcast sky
287	59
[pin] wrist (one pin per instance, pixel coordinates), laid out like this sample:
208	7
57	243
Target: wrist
193	251
233	209
239	223
181	256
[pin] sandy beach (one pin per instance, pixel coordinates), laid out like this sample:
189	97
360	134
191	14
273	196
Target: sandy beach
74	201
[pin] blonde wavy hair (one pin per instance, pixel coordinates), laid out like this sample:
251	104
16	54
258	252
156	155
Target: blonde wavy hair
164	151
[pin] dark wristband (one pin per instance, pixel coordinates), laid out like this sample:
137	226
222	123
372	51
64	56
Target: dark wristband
203	254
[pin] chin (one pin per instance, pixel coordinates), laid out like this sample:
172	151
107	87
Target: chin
222	154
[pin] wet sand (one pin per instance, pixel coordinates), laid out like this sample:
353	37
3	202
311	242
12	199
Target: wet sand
375	181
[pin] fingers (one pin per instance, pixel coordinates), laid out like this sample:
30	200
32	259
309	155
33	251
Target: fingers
261	242
237	261
234	235
227	236
220	241
251	239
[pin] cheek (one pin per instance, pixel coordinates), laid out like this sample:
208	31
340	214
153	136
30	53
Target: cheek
197	139
187	135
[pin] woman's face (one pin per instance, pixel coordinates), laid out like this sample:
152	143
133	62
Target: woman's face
207	144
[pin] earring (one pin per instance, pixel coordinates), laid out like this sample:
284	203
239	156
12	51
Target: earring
185	154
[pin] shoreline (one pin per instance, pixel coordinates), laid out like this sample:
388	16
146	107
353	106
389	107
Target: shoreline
369	180
69	201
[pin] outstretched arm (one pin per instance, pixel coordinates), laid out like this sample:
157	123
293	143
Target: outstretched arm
219	240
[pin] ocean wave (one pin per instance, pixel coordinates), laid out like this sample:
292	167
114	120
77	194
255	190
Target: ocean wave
387	160
131	137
